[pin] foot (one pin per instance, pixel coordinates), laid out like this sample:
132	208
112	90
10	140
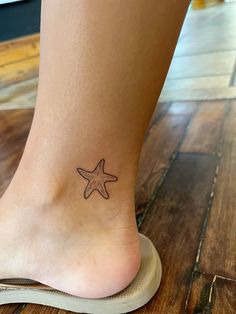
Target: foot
88	248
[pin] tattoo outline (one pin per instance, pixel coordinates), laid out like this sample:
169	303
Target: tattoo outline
97	180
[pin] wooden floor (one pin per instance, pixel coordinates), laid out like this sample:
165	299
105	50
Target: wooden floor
185	195
203	66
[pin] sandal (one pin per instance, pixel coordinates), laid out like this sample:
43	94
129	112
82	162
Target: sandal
137	294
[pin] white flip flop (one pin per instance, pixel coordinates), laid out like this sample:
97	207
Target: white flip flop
137	294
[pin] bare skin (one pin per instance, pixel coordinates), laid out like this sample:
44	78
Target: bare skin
102	66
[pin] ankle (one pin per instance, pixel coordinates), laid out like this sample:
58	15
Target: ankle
65	199
49	188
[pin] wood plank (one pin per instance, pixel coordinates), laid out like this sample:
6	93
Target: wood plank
211	294
204	129
159	112
18	54
19	71
16	43
40	309
209	64
14	128
187	108
202	294
8	308
219	247
174	225
19	95
205	82
225	302
178	107
161	142
18	88
212	94
17	50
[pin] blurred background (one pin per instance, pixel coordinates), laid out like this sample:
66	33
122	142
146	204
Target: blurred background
203	63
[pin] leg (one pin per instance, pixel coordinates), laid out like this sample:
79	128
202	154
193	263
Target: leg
102	66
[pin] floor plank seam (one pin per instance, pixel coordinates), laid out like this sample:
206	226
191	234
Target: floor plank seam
220	139
193	76
187	126
211	291
202	235
210	299
19	308
216	154
233	76
218	276
156	191
171	161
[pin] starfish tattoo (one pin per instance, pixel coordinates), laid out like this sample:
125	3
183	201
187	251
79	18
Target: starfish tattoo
97	180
